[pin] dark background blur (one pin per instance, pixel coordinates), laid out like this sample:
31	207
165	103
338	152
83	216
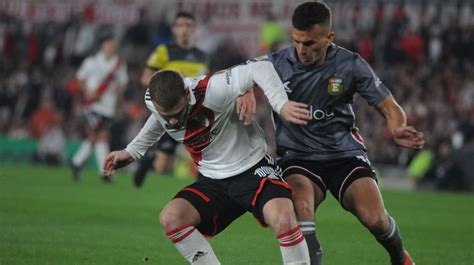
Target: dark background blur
422	50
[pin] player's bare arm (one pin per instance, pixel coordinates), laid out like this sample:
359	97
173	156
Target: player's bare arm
116	160
403	135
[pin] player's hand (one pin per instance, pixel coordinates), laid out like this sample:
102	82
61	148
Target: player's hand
409	137
115	160
295	112
246	106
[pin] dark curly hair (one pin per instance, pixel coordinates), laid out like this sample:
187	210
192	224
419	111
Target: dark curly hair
309	14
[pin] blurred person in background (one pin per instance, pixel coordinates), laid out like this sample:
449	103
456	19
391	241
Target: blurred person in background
45	125
272	34
329	153
180	55
102	79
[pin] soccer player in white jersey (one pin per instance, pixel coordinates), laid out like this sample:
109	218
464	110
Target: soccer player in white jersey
236	174
102	79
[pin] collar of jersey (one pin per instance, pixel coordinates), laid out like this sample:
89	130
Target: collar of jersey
189	85
101	56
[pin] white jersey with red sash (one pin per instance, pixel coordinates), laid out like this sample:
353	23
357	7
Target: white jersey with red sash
220	144
101	78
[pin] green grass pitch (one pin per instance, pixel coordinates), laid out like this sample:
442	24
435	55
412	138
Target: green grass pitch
45	218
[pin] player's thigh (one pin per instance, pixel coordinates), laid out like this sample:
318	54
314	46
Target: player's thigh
163	162
306	195
279	214
362	197
102	135
177	213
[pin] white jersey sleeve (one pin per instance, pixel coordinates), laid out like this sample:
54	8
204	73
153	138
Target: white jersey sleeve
85	70
226	86
148	135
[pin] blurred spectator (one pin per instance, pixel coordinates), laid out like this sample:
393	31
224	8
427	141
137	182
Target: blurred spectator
179	55
45	125
412	45
437	93
102	79
272	34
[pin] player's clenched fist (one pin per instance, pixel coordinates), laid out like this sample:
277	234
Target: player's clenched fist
115	160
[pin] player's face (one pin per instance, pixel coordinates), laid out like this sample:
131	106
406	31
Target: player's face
183	31
109	47
177	116
311	45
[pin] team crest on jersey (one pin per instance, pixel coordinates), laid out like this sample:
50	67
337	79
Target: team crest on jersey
335	86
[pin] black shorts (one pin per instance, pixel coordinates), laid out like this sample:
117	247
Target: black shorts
221	201
335	175
97	122
166	144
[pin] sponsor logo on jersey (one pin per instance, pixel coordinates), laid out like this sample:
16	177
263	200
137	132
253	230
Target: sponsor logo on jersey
335	86
228	76
319	114
288	90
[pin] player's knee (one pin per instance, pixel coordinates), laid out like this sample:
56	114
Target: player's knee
283	221
377	223
172	218
284	224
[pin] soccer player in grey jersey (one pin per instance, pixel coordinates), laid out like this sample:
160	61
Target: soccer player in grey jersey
328	153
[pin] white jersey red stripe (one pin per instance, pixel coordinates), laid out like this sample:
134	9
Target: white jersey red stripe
220	144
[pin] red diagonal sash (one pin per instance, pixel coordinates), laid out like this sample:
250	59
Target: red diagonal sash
100	90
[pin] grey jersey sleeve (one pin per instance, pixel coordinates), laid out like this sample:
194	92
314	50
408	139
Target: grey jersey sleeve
367	83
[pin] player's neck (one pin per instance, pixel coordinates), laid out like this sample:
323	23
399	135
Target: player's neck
107	56
187	45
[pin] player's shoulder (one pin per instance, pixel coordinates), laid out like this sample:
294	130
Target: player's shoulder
91	61
342	54
163	47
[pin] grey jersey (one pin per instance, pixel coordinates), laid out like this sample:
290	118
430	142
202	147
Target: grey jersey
328	90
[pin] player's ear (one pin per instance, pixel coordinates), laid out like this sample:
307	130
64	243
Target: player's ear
330	38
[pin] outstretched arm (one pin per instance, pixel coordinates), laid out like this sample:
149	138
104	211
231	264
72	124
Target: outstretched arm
116	160
265	76
403	135
148	135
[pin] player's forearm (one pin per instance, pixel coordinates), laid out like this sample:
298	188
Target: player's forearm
393	113
148	135
265	76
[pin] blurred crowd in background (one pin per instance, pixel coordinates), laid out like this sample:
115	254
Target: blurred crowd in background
422	50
